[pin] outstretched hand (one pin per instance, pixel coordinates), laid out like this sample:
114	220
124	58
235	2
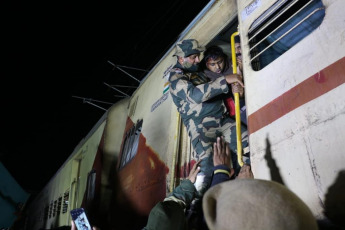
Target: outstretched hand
234	78
194	171
237	88
245	172
221	152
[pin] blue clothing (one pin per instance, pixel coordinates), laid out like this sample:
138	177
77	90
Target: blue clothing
220	177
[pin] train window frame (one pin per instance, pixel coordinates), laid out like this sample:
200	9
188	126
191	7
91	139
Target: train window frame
59	206
274	32
65	202
130	143
91	187
54	208
50	214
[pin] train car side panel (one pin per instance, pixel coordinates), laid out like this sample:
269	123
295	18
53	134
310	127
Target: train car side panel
295	106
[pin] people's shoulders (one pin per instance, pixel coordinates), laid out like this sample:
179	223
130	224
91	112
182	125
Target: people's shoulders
186	191
187	185
175	73
211	75
175	70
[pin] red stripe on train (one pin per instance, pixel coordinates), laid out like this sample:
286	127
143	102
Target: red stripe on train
311	88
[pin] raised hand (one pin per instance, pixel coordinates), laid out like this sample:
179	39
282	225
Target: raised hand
234	78
236	88
221	152
245	172
193	172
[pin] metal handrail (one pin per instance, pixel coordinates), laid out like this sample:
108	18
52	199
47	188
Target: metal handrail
237	103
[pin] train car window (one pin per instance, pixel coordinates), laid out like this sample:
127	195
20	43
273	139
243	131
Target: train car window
54	208
91	186
50	210
59	205
65	202
282	26
131	142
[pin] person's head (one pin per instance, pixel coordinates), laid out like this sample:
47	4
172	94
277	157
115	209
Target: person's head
188	54
215	59
166	212
255	204
238	49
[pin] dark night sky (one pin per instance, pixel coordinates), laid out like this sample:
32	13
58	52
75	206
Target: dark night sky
54	51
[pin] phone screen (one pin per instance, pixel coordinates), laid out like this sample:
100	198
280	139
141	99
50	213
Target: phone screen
80	219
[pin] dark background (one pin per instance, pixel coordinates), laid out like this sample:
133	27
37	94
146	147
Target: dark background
56	56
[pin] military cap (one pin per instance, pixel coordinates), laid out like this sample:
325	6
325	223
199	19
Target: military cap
188	47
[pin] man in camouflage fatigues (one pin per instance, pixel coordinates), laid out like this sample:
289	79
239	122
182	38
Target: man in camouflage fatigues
201	107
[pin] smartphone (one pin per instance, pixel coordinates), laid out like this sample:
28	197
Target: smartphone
80	219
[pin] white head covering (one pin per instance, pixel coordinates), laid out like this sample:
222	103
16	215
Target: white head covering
255	204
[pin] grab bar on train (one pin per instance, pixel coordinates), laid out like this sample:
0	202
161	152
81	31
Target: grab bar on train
176	151
237	103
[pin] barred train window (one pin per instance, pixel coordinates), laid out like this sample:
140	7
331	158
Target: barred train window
131	142
59	205
282	26
50	210
54	207
65	202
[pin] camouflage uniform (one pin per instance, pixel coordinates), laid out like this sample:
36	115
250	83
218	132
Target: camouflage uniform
199	102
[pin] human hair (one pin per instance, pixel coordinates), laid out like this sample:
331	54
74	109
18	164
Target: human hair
212	53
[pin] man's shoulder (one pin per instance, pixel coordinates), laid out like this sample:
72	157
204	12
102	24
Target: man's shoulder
175	73
176	70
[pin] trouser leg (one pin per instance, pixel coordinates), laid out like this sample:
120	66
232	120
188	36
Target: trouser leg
229	132
204	177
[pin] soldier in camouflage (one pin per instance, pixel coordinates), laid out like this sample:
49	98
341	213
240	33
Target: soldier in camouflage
199	102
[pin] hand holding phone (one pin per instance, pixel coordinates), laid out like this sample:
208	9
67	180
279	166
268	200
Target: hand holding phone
80	219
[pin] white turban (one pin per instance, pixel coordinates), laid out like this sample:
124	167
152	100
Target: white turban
243	204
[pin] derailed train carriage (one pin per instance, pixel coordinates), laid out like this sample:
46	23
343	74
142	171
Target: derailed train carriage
294	73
